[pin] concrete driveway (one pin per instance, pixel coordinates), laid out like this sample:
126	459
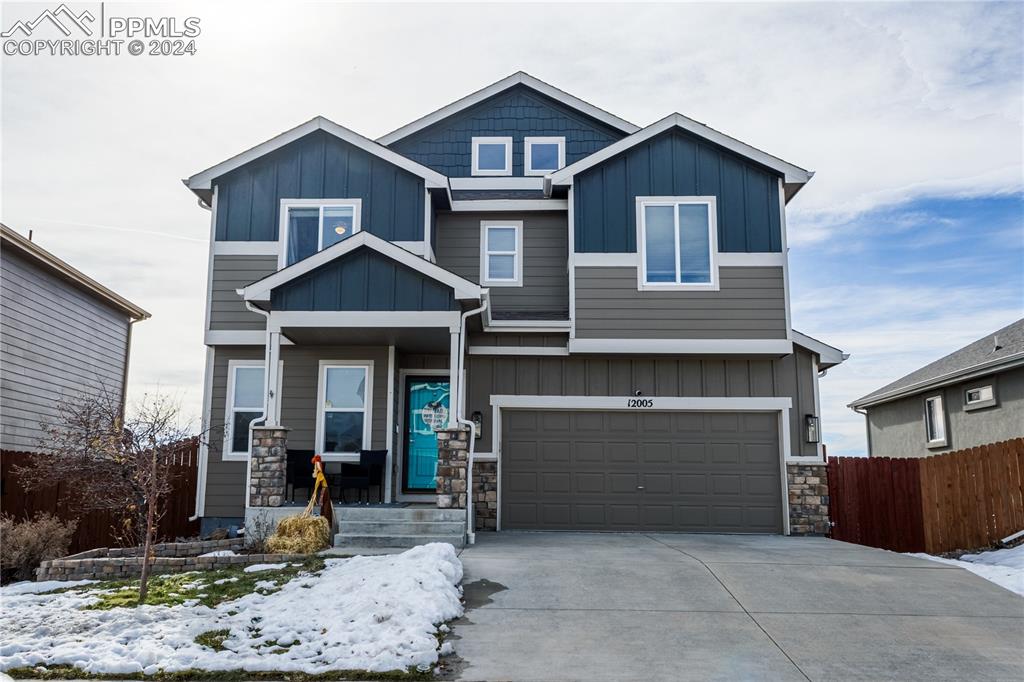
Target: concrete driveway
577	606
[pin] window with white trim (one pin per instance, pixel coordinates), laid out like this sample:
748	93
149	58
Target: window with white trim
343	415
311	225
501	253
542	155
978	397
245	403
491	156
935	421
678	242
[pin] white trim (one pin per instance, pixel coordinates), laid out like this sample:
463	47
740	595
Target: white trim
226	454
389	437
517	255
683	346
751	260
223	248
204	438
260	291
528	143
367	411
403	375
819	446
427	250
281	319
238	337
500	86
530	325
497	183
829	356
478	205
784	245
204	179
606	260
944	440
792	174
571	240
517	350
711	204
475	169
355	204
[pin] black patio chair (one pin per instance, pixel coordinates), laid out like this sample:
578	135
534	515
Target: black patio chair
369	472
298	473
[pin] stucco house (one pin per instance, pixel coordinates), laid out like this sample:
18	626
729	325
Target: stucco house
548	317
973	396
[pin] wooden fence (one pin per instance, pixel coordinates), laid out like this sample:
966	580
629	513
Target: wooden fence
97	529
966	499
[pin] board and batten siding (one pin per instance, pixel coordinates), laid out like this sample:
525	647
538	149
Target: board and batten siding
545	254
319	166
518	112
57	342
677	164
227	309
225	487
750	304
790	376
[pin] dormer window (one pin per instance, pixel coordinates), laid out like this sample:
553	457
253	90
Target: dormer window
543	155
678	242
311	225
492	156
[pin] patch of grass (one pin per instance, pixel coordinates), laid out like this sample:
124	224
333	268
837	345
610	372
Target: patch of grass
214	639
70	673
202	587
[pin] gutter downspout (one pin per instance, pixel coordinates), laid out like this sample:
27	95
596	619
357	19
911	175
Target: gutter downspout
266	391
461	419
867	426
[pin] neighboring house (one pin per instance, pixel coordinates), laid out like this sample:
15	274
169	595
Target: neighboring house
614	300
62	335
973	396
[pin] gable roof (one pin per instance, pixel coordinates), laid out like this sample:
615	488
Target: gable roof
260	289
998	351
793	176
830	356
29	249
201	183
518	78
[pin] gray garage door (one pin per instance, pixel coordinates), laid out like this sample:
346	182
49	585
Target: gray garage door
671	471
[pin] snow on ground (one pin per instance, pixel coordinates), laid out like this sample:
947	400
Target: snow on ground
1004	567
29	587
220	552
375	613
263	567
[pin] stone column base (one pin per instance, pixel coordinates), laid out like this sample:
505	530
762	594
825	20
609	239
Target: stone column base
268	466
808	499
452	461
485	495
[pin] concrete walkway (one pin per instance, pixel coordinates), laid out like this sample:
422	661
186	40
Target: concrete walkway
576	606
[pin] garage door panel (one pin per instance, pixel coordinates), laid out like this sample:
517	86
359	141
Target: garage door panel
710	472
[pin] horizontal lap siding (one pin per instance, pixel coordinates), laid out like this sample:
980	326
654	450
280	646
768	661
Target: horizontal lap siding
751	304
227	310
521	340
57	342
545	253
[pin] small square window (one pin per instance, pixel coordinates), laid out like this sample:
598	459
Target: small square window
543	155
492	156
978	397
501	249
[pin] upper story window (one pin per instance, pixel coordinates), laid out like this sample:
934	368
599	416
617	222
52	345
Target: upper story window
978	397
935	421
310	225
543	155
492	156
501	253
678	242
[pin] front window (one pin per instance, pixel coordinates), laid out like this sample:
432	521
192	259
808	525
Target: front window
492	156
501	261
245	404
678	241
935	421
543	154
311	226
343	419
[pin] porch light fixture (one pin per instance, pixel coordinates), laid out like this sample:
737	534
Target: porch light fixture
813	426
478	423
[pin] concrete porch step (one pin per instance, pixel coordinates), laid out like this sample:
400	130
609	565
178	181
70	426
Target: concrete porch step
402	527
343	540
424	514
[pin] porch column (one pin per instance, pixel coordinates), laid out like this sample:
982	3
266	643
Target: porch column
453	382
273	381
267	466
452	462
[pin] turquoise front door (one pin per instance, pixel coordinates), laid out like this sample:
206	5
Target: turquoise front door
426	410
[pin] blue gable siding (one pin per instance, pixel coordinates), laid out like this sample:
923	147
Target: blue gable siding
677	164
363	280
319	166
517	113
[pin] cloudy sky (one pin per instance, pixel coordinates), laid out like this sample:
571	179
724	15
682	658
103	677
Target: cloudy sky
908	243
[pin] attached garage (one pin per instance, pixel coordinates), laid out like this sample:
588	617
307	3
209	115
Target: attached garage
638	470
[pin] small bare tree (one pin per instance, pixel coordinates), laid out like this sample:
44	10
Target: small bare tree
114	462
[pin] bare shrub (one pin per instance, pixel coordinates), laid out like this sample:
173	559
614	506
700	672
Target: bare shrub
25	544
258	532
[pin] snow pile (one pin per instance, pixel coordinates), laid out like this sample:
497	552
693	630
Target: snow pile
220	552
375	613
1004	567
255	568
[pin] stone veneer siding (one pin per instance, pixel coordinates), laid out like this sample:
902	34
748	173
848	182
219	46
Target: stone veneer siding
452	459
268	468
485	495
808	499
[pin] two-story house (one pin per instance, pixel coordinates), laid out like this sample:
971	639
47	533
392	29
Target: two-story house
607	304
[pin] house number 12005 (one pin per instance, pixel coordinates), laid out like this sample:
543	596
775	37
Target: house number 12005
639	402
